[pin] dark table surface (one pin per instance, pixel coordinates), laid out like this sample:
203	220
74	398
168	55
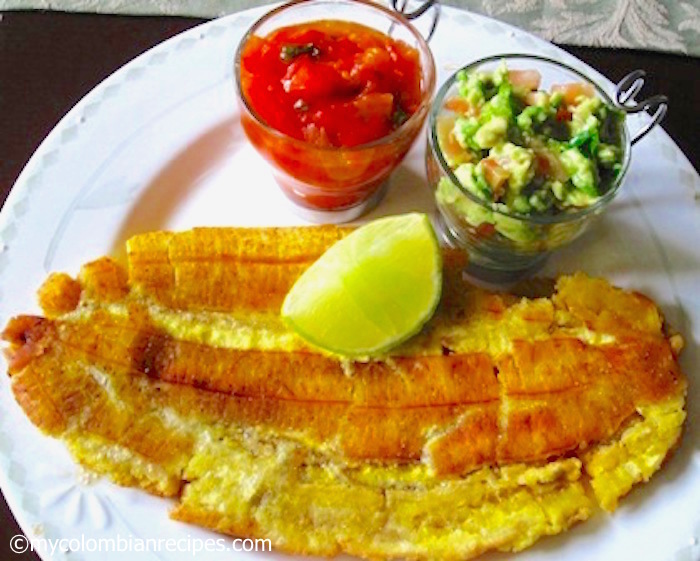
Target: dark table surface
49	60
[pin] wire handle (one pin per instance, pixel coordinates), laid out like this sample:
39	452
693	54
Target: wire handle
625	91
401	7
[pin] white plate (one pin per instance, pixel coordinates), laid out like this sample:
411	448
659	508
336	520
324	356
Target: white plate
158	146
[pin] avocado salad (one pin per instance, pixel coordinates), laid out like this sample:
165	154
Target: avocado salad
524	151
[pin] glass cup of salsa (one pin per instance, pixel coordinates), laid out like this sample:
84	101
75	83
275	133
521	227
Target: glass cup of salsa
333	94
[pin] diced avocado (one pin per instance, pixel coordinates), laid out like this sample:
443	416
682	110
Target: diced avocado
583	115
587	140
500	105
555	99
500	75
491	132
512	126
568	195
581	171
481	182
556	146
578	198
518	161
541	200
496	109
520	204
540	99
448	194
464	130
473	181
531	116
559	190
513	228
471	88
538	112
609	155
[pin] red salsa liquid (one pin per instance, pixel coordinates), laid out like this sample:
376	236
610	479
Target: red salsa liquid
331	83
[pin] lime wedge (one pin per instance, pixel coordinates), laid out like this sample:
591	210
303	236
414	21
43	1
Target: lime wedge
371	290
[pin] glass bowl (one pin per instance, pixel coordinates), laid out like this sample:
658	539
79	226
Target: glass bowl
335	184
504	246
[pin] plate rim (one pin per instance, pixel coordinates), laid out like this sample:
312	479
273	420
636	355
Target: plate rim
20	190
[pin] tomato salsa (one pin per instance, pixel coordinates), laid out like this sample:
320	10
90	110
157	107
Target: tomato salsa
331	83
320	101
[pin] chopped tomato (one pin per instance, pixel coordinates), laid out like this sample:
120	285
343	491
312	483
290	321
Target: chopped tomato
316	135
313	81
525	79
495	175
563	114
374	105
572	92
531	98
452	150
353	82
548	165
458	105
485	230
372	68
